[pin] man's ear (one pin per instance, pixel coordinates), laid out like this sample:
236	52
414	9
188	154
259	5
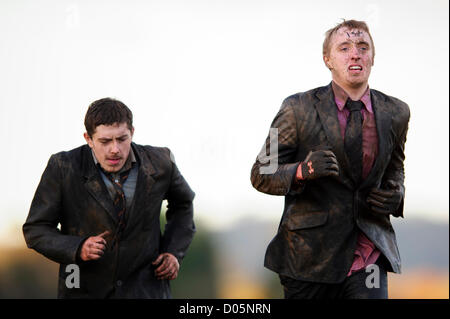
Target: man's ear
132	132
326	60
88	139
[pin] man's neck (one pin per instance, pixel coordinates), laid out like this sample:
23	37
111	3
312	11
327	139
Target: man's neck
353	92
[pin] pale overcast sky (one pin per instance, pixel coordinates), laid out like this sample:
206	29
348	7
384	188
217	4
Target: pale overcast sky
206	78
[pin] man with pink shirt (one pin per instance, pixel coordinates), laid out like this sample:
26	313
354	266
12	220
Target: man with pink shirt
336	153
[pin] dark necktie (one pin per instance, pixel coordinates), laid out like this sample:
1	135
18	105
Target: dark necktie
119	202
353	138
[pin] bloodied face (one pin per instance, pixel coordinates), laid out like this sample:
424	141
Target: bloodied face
350	57
111	145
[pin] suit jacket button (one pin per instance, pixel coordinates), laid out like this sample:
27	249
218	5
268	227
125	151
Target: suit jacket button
119	283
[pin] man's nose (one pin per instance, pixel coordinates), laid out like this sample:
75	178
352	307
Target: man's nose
114	147
355	54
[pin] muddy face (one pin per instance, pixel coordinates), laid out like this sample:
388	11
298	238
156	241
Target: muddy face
350	58
111	145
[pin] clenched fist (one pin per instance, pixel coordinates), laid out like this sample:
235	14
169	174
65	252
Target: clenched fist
93	248
168	266
318	164
386	201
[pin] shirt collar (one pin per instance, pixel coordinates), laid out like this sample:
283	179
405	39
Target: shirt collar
340	97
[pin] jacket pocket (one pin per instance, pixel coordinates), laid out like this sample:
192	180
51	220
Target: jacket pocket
304	220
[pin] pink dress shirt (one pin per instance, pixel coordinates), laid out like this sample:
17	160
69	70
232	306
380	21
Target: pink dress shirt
365	253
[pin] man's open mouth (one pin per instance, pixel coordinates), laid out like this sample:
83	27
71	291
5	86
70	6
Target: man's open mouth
355	67
113	160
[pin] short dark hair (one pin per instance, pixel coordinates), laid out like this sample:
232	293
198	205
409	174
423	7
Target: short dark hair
107	111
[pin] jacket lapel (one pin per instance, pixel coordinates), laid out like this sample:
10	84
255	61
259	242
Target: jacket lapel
326	107
144	184
383	119
95	185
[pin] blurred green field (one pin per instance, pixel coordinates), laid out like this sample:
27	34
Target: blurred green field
229	264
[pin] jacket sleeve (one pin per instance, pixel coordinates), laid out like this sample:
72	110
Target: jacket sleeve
275	167
395	169
180	228
41	227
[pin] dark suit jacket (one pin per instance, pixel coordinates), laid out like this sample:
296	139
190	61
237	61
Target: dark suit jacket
71	192
317	234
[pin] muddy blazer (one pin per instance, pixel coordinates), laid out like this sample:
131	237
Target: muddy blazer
72	193
317	234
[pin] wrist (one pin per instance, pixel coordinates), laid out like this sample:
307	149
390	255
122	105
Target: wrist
299	174
79	255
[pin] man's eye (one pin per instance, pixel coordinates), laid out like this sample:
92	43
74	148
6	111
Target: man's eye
344	49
